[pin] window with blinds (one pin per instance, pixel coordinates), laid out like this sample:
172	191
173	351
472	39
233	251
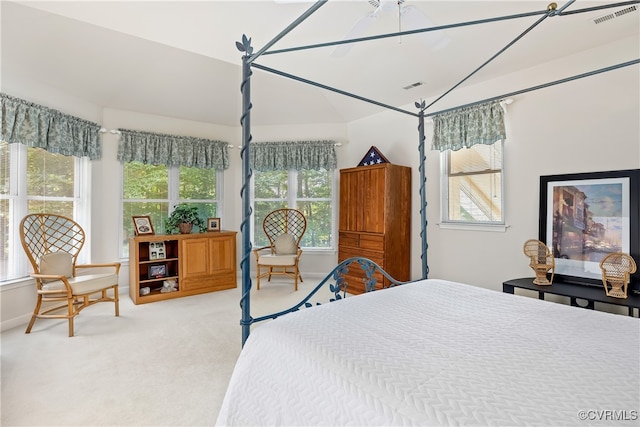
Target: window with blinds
472	187
33	180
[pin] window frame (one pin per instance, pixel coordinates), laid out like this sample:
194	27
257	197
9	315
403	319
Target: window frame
292	200
173	190
445	176
18	202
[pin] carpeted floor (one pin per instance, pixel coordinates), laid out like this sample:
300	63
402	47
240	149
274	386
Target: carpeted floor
160	364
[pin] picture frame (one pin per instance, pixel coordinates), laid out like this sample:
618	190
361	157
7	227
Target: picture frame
586	216
142	225
157	271
213	224
157	250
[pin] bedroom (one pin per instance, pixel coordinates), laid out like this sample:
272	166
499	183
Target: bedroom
545	127
546	133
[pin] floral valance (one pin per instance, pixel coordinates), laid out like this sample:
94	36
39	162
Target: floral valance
172	150
468	126
34	125
298	155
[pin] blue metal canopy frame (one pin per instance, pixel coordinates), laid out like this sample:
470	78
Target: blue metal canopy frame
248	62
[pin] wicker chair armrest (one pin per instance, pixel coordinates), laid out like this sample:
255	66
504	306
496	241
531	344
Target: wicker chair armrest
115	265
40	277
48	276
263	248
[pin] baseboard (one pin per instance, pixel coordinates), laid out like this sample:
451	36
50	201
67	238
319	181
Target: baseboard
15	322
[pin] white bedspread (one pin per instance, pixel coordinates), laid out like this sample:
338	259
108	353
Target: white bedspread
438	353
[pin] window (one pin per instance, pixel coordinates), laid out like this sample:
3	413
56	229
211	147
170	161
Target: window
154	190
472	185
33	180
310	191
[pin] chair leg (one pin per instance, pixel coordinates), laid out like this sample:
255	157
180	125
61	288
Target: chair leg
116	296
70	313
36	310
258	277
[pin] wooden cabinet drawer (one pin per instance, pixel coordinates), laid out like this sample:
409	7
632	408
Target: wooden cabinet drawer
362	241
344	253
349	239
369	241
355	283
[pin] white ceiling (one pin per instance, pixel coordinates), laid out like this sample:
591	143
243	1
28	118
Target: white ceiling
179	59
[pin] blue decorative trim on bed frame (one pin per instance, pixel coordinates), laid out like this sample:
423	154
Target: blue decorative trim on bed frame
337	285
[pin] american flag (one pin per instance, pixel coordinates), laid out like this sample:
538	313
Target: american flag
373	157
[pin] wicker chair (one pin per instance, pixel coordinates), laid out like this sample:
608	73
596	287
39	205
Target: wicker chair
52	244
540	260
616	269
284	228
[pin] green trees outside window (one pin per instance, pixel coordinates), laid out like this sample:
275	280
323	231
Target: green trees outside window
310	191
33	180
154	190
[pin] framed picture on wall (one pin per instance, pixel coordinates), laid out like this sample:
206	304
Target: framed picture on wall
142	225
213	224
586	216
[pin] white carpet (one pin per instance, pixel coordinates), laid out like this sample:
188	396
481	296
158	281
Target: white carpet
160	364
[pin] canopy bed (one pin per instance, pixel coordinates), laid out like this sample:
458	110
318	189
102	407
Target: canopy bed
430	351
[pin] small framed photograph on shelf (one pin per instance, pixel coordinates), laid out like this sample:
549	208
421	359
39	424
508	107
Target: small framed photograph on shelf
142	225
157	271
157	250
213	224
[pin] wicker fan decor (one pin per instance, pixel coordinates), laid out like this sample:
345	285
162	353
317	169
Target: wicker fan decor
616	269
540	260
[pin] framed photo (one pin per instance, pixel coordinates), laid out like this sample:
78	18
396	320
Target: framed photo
586	216
157	250
142	225
157	271
213	224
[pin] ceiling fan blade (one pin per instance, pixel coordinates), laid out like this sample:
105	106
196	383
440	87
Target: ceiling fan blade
388	5
356	31
413	19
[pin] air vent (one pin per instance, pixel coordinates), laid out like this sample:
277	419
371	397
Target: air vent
412	85
614	15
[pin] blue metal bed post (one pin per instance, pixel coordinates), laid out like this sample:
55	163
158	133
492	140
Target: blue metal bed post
245	120
423	190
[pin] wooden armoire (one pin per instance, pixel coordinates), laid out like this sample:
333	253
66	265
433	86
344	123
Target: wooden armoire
375	220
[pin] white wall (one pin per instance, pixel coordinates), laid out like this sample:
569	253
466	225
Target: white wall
587	125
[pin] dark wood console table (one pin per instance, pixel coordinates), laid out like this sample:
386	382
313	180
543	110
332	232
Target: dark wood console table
591	294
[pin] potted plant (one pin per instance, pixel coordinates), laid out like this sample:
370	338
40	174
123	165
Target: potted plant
183	218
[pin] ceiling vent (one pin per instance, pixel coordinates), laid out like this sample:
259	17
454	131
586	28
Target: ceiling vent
614	15
412	85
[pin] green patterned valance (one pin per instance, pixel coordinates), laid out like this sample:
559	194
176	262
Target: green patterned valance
171	150
34	125
465	127
298	155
